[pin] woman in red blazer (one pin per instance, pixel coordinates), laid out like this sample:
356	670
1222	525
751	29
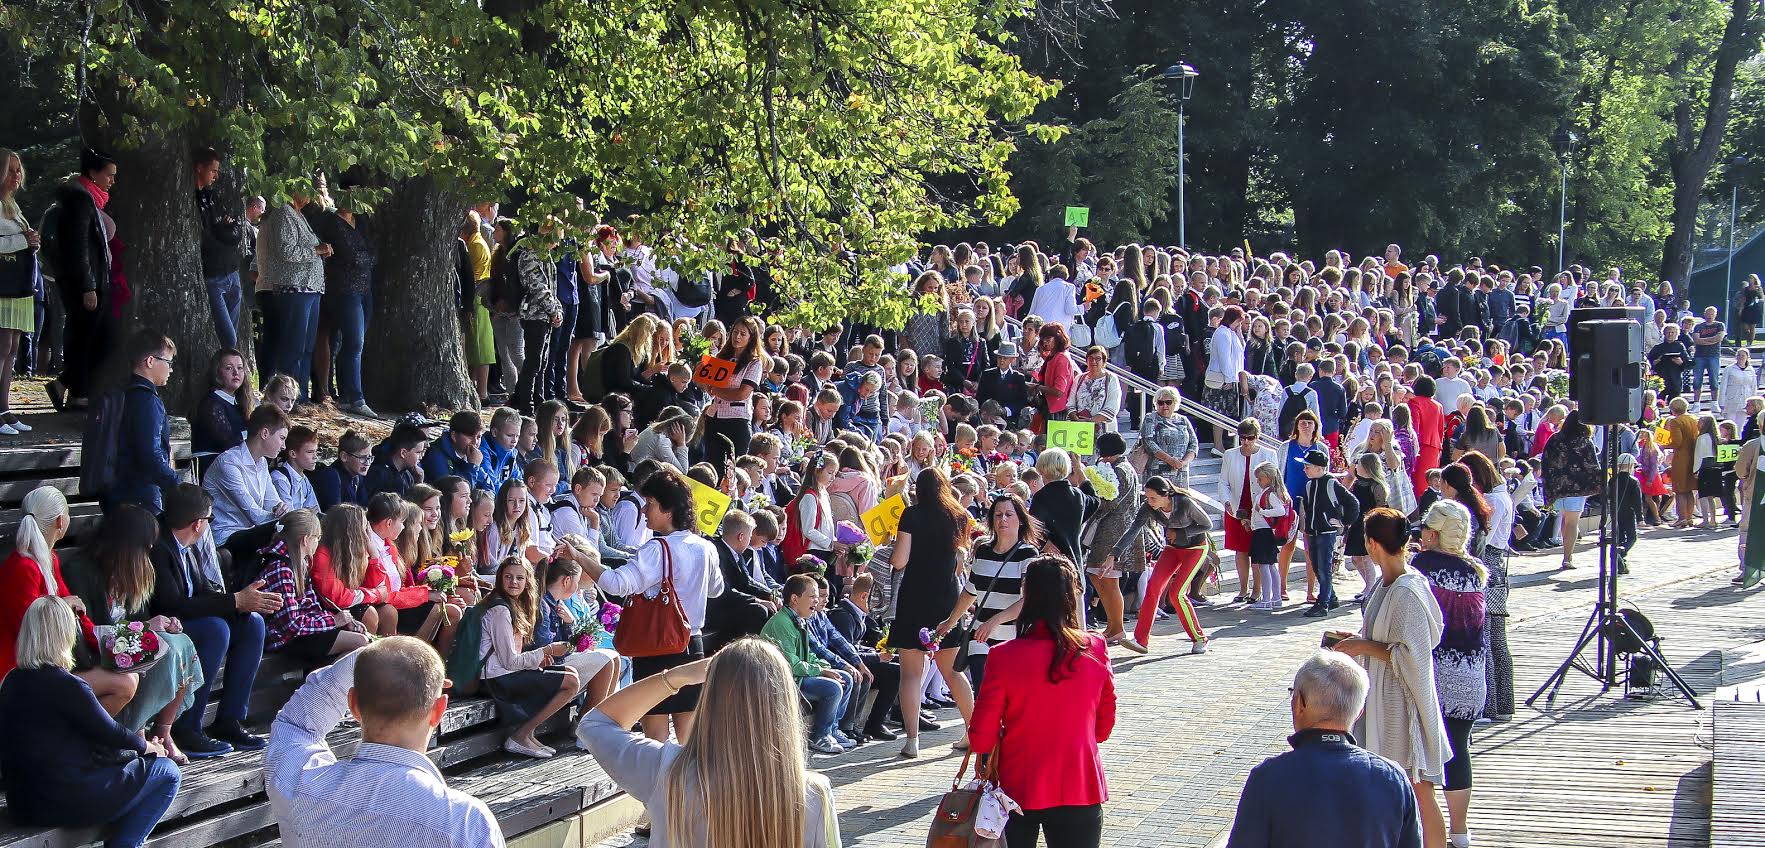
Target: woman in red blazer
1047	701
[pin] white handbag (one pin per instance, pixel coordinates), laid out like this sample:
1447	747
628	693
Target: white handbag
1080	335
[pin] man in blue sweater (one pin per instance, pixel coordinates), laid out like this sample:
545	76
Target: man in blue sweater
1327	792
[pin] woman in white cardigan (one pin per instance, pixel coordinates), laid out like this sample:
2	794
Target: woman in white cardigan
1401	626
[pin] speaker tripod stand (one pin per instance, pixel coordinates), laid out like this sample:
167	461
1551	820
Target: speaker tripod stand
1606	628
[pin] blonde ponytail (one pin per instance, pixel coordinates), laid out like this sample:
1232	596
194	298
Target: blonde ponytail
41	507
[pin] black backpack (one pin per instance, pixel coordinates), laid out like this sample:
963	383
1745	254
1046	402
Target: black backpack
1291	406
1140	349
694	291
99	443
50	227
505	280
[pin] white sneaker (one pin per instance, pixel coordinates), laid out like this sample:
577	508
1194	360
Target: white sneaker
7	429
20	426
1199	648
826	745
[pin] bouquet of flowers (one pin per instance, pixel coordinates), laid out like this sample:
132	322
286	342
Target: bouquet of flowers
1103	481
1654	381
590	634
803	443
442	574
609	616
929	407
956	463
1556	384
130	648
458	542
693	346
757	501
861	553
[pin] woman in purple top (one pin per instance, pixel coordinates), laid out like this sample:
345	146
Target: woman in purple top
1458	581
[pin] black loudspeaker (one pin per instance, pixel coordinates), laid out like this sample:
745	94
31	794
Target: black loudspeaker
1605	379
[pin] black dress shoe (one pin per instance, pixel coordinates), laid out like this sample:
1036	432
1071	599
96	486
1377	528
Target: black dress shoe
200	746
880	733
233	733
1317	611
928	724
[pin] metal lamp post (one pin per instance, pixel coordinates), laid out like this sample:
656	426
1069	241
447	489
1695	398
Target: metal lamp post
1563	141
1735	166
1185	76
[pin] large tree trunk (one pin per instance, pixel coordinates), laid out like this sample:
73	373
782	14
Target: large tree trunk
413	355
1692	151
154	205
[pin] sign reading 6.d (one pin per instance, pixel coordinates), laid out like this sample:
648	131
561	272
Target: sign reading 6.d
1080	437
714	373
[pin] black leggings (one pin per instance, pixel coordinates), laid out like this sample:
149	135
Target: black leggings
1458	769
536	336
738	430
1061	827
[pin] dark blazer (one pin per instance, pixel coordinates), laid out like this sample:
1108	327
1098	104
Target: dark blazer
144	448
739	584
1332	404
83	263
1062	510
173	595
64	757
333	484
854	624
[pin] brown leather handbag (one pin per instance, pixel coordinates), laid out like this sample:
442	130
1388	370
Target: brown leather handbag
654	627
953	826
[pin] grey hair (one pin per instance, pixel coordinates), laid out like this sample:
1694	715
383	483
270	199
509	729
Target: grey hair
1332	684
1053	465
1453	522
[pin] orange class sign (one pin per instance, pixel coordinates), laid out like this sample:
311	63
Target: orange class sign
714	373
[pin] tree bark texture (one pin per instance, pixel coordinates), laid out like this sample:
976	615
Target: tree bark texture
154	205
413	354
1693	151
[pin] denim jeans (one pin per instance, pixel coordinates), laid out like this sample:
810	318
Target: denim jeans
296	331
239	641
225	300
826	699
1702	365
349	322
131	827
560	351
1320	549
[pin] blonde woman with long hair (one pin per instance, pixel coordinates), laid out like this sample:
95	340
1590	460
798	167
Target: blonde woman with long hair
19	243
739	779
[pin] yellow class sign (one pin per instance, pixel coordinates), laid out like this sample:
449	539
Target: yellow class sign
882	520
709	504
1080	437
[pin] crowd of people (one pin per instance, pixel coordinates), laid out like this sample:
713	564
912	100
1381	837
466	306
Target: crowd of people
553	552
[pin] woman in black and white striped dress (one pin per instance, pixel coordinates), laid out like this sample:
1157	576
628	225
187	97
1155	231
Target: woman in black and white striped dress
996	578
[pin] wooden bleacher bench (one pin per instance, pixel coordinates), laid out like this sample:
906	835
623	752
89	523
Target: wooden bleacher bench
1737	736
222	800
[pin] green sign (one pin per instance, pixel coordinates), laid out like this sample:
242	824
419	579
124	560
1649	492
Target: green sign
1078	216
1727	453
1080	437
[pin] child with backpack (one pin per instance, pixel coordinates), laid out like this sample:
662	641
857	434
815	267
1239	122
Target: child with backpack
1271	526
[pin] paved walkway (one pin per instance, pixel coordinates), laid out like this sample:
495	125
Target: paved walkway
1594	771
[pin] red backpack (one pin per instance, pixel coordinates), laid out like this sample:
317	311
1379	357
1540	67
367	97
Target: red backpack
795	544
1282	527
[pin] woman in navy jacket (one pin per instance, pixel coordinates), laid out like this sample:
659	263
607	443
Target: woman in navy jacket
73	765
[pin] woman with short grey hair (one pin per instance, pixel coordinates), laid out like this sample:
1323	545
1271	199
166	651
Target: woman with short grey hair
1167	438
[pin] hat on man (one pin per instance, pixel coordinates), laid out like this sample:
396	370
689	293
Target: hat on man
1007	350
1318	458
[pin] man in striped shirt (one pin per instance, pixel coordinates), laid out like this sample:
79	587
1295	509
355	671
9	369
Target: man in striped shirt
388	793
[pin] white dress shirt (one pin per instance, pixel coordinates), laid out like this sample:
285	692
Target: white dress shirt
244	495
382	795
1056	302
697	576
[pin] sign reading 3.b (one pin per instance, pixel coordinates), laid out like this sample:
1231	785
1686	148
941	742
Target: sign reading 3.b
1080	437
714	373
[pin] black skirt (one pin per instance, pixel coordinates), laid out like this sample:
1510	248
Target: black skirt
1264	550
687	699
310	649
520	695
411	620
1710	480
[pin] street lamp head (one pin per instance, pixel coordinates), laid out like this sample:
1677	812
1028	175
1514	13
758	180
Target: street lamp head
1563	141
1738	162
1184	74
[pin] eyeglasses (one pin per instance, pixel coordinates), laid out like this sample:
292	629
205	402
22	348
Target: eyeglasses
367	456
166	359
1167	403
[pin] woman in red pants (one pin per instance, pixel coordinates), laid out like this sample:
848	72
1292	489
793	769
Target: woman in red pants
1185	528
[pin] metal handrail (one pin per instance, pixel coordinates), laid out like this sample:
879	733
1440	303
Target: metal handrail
1185	404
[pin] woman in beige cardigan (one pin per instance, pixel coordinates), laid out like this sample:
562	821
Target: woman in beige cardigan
1401	626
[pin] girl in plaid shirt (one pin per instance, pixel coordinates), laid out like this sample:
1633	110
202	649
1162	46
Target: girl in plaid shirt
303	628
